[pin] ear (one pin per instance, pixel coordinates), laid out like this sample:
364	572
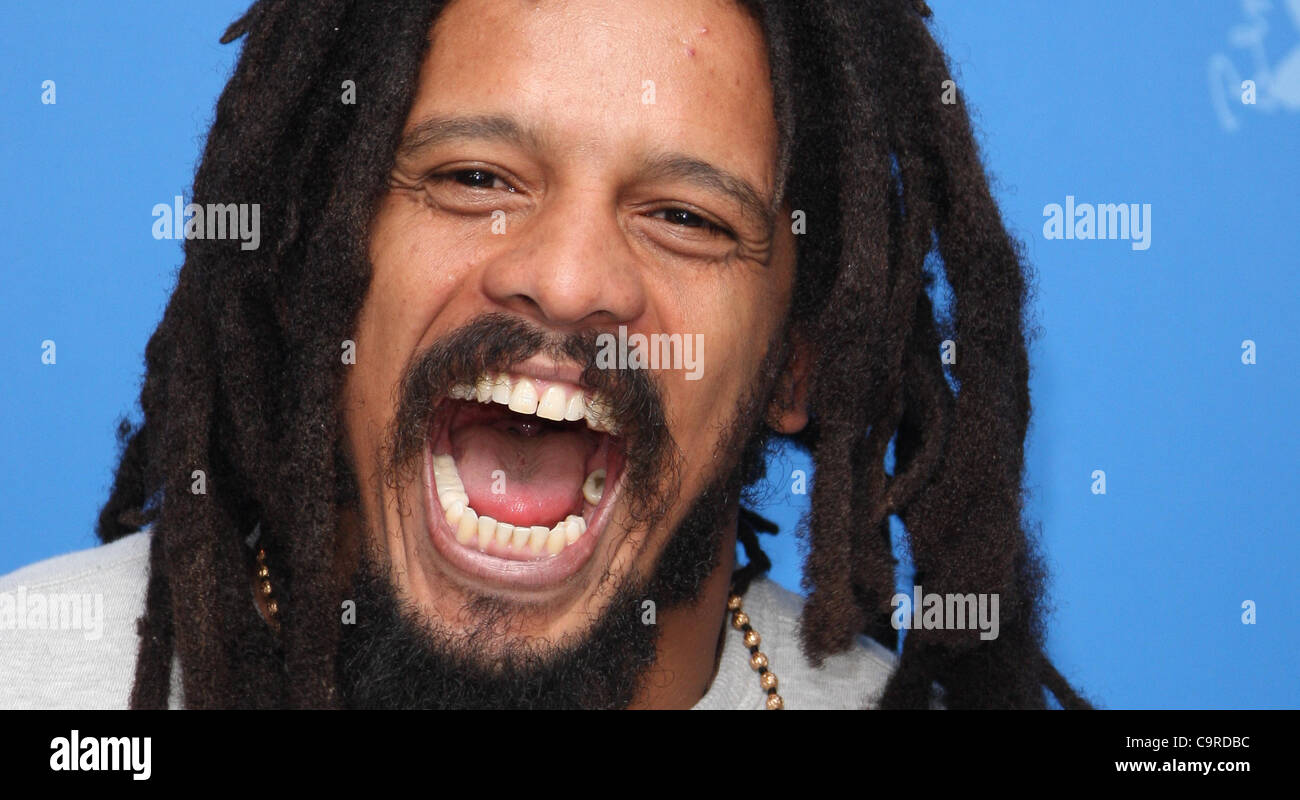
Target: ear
789	410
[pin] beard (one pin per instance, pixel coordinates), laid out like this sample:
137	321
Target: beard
395	656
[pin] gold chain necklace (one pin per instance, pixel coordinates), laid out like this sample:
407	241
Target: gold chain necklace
739	621
757	660
264	575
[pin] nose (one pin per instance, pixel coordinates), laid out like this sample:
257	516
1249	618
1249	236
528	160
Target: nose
571	267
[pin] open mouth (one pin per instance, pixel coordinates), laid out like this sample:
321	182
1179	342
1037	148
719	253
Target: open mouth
519	476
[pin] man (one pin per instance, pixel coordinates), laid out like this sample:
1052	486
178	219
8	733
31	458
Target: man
411	451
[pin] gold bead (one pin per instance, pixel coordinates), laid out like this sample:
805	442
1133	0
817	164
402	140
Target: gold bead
733	603
261	555
774	702
752	638
263	572
739	620
272	607
266	587
758	661
767	680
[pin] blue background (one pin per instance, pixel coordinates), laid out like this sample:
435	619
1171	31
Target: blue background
1137	370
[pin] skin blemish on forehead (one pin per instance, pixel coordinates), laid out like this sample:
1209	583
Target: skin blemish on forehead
690	49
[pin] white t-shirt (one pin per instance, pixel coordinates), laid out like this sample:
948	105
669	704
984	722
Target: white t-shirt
82	652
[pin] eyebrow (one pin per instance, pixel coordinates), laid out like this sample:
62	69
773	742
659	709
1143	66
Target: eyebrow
436	130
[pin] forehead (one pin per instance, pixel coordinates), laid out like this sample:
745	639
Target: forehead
597	77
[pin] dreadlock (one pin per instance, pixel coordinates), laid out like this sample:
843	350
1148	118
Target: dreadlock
243	375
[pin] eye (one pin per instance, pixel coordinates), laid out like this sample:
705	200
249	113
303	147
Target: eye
689	219
473	178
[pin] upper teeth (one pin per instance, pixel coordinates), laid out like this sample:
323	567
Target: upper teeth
557	402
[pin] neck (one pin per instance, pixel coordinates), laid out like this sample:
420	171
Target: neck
690	638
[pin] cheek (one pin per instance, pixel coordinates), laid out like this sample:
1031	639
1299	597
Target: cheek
365	413
728	353
419	262
402	263
394	315
738	319
418	271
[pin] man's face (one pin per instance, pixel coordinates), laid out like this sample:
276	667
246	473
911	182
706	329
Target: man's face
571	166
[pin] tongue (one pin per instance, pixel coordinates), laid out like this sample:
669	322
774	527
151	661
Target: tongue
518	478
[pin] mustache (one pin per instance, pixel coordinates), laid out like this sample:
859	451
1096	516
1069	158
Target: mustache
493	343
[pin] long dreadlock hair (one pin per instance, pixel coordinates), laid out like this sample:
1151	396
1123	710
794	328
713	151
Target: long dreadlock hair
243	374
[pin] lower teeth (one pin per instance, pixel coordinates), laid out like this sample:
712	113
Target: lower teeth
594	487
471	528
